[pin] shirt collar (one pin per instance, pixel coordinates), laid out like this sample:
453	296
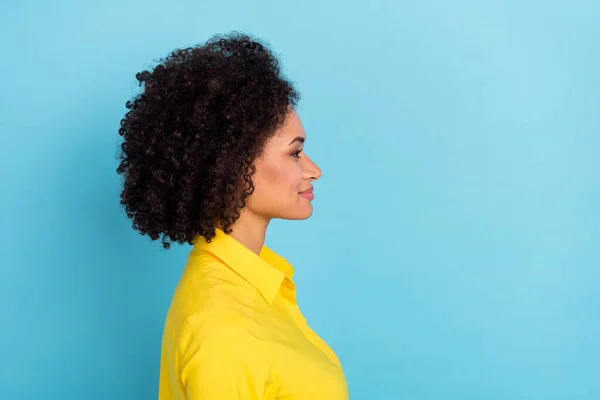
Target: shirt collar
265	271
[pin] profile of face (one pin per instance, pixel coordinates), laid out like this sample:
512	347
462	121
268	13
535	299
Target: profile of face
282	172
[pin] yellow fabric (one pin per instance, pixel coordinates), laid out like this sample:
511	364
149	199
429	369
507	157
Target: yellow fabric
234	331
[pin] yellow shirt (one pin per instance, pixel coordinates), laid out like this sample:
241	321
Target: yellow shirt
234	331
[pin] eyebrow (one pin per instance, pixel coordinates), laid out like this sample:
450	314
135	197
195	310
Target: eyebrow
297	139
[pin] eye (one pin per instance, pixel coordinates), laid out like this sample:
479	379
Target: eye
297	154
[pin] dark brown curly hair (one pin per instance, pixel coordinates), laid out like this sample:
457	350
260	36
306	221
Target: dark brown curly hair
191	136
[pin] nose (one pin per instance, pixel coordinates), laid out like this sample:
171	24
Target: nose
310	170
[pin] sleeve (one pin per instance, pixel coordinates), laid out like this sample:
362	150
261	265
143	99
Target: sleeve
223	362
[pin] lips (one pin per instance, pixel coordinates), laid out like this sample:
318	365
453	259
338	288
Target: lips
307	191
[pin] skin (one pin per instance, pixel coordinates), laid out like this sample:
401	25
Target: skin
283	170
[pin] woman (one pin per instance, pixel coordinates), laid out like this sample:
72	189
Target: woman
212	151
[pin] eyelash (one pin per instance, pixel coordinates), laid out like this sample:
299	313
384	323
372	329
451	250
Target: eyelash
297	154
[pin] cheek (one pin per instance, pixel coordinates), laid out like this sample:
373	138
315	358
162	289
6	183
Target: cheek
280	178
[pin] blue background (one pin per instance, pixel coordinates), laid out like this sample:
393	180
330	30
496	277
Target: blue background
454	248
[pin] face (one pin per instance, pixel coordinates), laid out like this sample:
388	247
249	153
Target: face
282	172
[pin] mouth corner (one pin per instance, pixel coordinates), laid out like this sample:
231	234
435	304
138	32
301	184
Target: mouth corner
307	191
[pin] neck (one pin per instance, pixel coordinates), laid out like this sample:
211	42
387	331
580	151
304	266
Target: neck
250	230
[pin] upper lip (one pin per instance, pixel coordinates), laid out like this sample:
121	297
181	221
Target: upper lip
309	190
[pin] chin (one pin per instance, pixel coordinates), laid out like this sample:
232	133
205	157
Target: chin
306	214
297	218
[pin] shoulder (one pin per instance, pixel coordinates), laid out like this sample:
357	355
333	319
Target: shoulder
210	334
216	325
212	293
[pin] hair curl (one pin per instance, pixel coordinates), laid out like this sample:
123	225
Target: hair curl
192	135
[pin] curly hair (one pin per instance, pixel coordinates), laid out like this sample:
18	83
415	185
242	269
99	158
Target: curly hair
191	136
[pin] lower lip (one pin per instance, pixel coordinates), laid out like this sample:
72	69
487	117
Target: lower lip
308	196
